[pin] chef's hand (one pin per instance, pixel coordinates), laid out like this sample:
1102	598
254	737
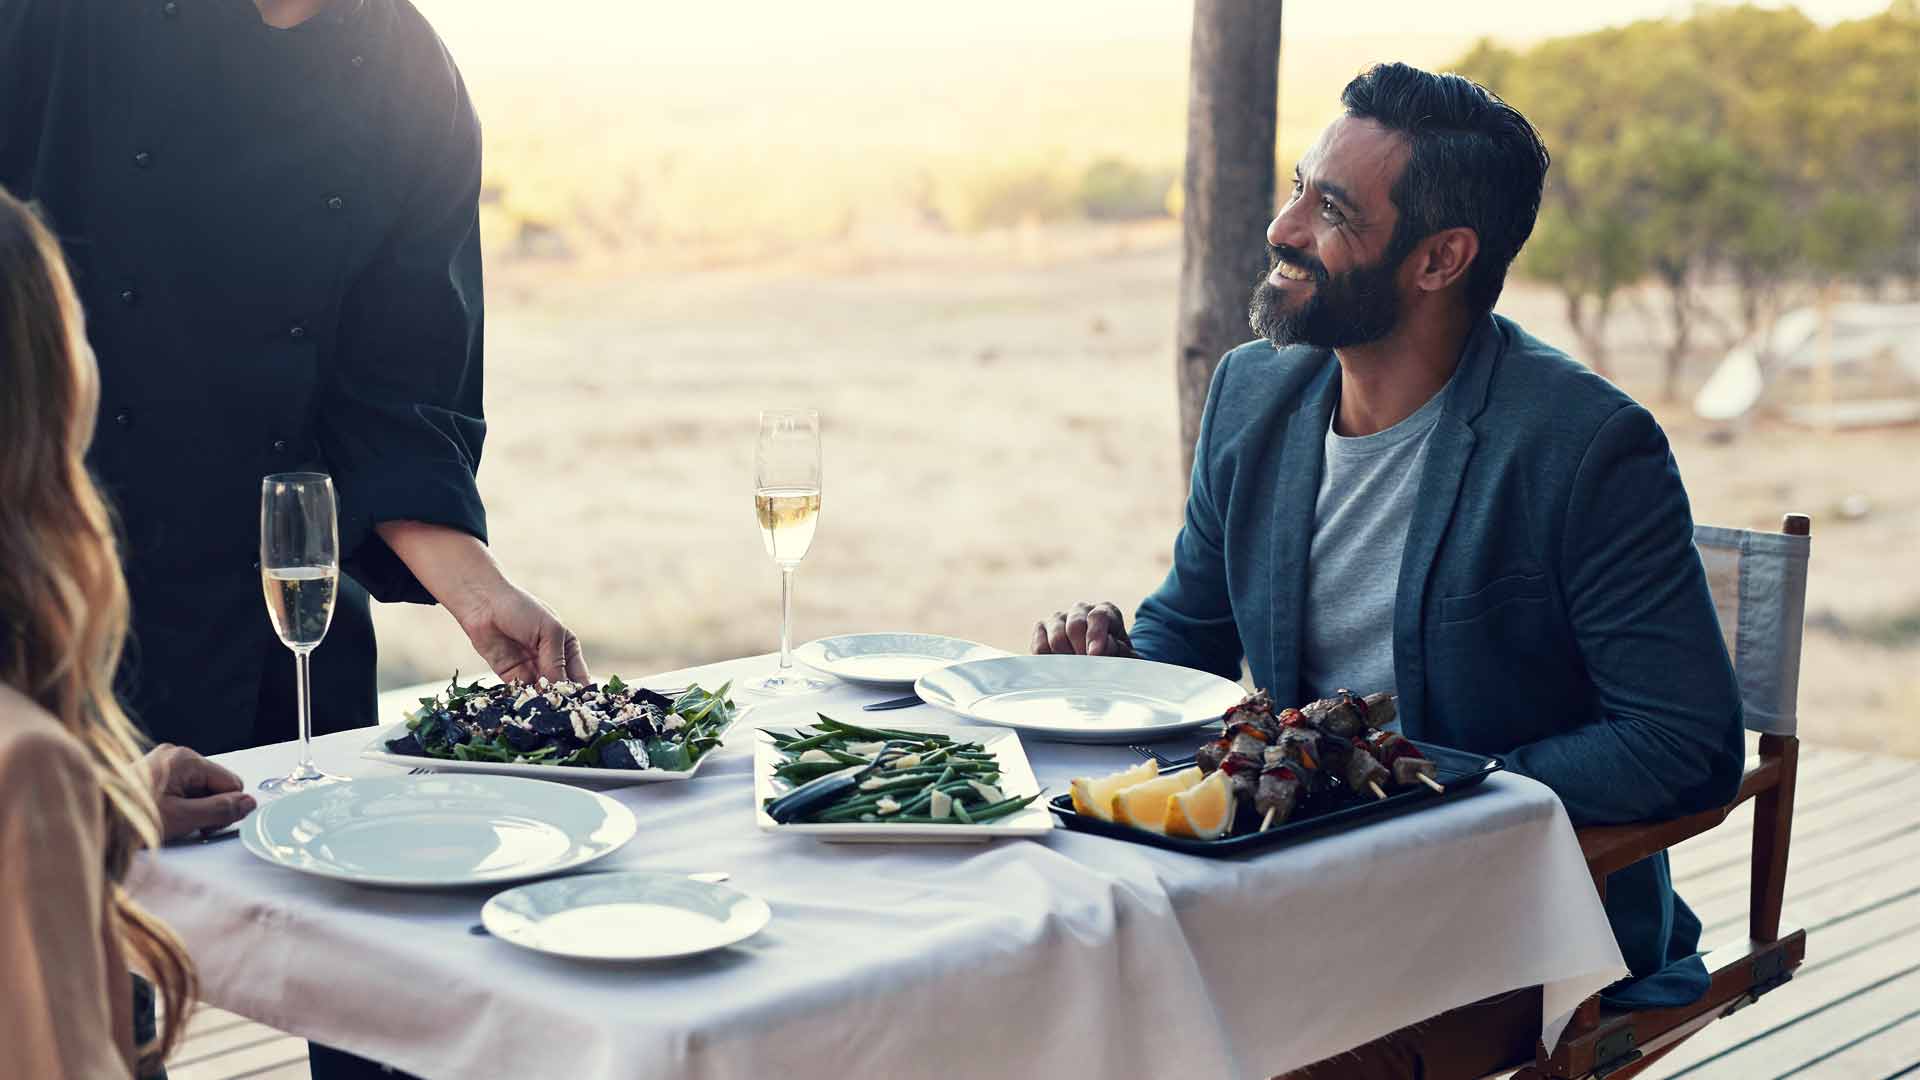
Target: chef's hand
516	634
520	636
1088	629
193	793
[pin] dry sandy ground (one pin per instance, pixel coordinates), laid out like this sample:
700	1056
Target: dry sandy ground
1000	440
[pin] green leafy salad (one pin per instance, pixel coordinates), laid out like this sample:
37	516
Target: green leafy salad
607	725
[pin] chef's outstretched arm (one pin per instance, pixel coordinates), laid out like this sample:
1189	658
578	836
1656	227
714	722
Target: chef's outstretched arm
400	418
520	637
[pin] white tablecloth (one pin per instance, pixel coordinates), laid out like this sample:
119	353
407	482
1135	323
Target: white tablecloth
1075	955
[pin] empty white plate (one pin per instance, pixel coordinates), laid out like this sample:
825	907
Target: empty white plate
1091	699
889	660
634	915
437	831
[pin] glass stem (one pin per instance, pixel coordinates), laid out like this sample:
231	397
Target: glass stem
786	618
307	767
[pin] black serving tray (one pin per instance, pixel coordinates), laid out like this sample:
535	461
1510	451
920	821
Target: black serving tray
1456	770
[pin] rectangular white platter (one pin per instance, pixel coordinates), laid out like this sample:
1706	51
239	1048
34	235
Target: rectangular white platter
1016	779
576	774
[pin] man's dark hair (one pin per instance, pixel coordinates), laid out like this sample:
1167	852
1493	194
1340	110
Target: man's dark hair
1475	162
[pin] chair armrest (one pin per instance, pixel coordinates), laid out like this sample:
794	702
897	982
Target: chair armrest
1615	847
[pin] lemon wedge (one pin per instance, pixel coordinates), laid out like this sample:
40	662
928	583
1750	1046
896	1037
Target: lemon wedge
1144	805
1094	796
1203	811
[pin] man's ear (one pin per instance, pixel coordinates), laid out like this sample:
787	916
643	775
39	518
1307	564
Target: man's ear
1444	257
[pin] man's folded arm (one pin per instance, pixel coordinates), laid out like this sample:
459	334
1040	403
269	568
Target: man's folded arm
1188	620
1669	741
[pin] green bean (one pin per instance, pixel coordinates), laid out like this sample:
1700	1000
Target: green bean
799	772
868	734
960	811
809	743
1003	807
926	796
895	784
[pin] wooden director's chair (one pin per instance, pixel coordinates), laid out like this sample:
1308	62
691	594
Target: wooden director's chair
1759	585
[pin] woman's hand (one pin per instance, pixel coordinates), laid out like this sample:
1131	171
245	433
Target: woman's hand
193	793
515	633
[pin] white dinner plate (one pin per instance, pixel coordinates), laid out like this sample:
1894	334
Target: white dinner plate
437	831
1089	699
1016	779
889	660
633	915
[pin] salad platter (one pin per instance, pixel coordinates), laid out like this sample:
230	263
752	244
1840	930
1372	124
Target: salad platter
839	781
609	732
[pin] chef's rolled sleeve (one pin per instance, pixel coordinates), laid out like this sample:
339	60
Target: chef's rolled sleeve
400	422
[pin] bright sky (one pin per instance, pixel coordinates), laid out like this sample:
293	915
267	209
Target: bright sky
594	31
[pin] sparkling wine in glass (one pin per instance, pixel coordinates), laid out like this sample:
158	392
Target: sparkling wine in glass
300	576
786	499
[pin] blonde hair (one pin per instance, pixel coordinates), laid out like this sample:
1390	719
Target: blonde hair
63	597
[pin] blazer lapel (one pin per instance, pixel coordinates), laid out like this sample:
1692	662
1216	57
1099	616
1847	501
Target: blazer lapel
1296	490
1449	448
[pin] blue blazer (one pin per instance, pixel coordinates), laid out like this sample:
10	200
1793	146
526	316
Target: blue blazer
1550	608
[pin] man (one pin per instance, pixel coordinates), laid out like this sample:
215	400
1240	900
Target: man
1399	490
271	210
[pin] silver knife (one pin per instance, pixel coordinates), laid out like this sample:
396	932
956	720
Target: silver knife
907	702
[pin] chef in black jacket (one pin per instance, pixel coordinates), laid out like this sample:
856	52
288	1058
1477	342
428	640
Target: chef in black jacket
271	209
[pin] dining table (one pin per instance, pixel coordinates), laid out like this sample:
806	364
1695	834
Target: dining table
1067	954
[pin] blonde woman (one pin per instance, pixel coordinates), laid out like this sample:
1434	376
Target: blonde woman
77	796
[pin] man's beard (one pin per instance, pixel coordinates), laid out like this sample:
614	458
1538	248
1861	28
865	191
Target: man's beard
1355	308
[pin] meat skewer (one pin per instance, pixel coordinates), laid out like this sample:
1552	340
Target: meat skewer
1275	758
1398	754
1291	770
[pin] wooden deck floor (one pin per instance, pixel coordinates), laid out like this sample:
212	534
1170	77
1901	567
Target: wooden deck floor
1851	1013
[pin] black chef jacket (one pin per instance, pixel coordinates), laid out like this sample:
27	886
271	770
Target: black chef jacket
275	236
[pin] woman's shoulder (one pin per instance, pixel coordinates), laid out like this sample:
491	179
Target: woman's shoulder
33	744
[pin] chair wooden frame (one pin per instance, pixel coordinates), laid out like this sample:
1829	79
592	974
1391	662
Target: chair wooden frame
1619	1043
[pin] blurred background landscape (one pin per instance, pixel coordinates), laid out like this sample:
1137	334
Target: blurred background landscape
956	235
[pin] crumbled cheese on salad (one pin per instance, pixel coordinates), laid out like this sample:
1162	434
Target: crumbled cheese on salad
888	805
941	806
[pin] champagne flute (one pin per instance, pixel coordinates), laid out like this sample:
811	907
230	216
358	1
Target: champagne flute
300	574
786	497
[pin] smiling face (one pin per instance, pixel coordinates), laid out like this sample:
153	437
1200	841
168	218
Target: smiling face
1333	279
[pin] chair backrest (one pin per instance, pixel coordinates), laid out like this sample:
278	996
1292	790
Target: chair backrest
1759	586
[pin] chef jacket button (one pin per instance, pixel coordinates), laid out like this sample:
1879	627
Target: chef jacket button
142	159
123	418
169	9
129	297
335	202
279	446
296	331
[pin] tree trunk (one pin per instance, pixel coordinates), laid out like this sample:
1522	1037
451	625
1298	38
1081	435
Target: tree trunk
1589	325
1680	314
1232	111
